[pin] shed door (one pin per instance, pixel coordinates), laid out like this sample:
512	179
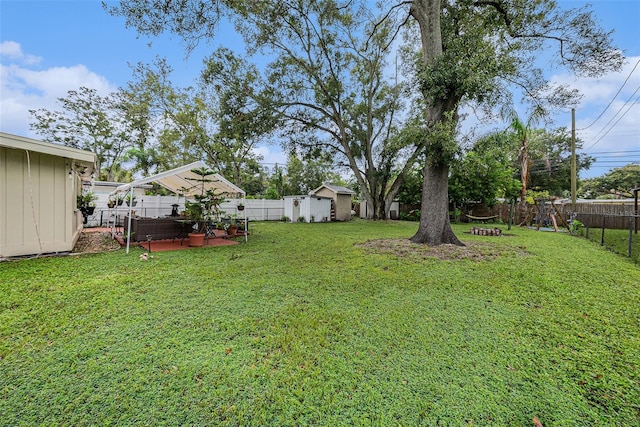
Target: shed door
296	210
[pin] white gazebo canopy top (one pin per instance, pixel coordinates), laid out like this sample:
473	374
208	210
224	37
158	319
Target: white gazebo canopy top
183	181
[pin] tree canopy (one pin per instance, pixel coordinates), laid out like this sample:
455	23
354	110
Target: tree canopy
329	84
90	122
616	183
470	52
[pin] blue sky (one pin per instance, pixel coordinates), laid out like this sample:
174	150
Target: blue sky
48	47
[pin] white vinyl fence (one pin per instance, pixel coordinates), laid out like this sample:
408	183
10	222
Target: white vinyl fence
161	206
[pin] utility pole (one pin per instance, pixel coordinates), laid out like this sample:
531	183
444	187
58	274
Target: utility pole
574	177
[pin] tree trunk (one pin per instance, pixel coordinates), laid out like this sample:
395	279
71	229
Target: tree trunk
381	210
523	207
524	176
434	228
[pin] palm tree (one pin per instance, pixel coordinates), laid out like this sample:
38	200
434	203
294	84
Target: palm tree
522	132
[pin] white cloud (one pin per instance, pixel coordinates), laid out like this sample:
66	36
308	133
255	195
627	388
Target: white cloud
607	121
24	88
601	90
13	51
271	155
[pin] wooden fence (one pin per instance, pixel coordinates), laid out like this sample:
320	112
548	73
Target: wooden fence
613	216
616	215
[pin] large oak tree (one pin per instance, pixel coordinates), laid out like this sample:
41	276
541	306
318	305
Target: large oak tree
471	50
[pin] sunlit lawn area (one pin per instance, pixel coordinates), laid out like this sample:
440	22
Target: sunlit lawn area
302	326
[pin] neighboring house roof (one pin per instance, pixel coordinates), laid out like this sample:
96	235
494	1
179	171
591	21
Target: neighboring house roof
85	159
179	179
338	189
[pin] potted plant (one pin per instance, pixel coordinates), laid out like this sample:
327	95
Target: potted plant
86	204
131	199
204	208
240	206
232	229
111	203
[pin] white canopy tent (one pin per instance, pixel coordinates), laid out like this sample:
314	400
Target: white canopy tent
181	181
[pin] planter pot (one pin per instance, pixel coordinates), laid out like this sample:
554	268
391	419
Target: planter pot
232	230
240	207
88	210
196	239
111	205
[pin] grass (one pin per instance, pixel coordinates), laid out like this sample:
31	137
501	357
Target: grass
616	241
305	326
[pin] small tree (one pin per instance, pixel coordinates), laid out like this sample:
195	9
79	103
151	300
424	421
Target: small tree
207	202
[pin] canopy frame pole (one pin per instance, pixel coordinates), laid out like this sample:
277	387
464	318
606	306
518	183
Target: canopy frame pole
130	194
246	222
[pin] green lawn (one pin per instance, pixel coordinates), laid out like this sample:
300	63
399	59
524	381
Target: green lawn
616	241
302	326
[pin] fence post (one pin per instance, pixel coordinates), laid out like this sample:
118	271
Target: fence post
510	214
602	237
631	224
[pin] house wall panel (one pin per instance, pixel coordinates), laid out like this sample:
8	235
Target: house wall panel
14	190
37	203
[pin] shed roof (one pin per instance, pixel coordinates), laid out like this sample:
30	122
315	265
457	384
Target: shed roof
302	196
181	181
83	158
338	189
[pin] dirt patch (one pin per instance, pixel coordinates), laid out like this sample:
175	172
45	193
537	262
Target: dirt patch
404	248
95	242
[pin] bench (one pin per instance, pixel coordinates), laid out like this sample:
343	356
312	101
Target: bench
157	228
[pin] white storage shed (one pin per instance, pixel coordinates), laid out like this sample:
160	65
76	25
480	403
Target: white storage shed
307	208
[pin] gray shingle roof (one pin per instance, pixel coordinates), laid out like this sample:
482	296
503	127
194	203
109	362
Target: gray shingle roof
336	189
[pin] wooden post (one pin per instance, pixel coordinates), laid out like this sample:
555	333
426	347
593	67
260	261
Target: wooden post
510	214
631	222
555	224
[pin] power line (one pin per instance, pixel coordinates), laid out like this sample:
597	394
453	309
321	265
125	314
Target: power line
617	112
617	157
623	114
614	97
616	152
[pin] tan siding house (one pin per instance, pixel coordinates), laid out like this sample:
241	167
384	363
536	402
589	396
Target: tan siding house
39	182
341	206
